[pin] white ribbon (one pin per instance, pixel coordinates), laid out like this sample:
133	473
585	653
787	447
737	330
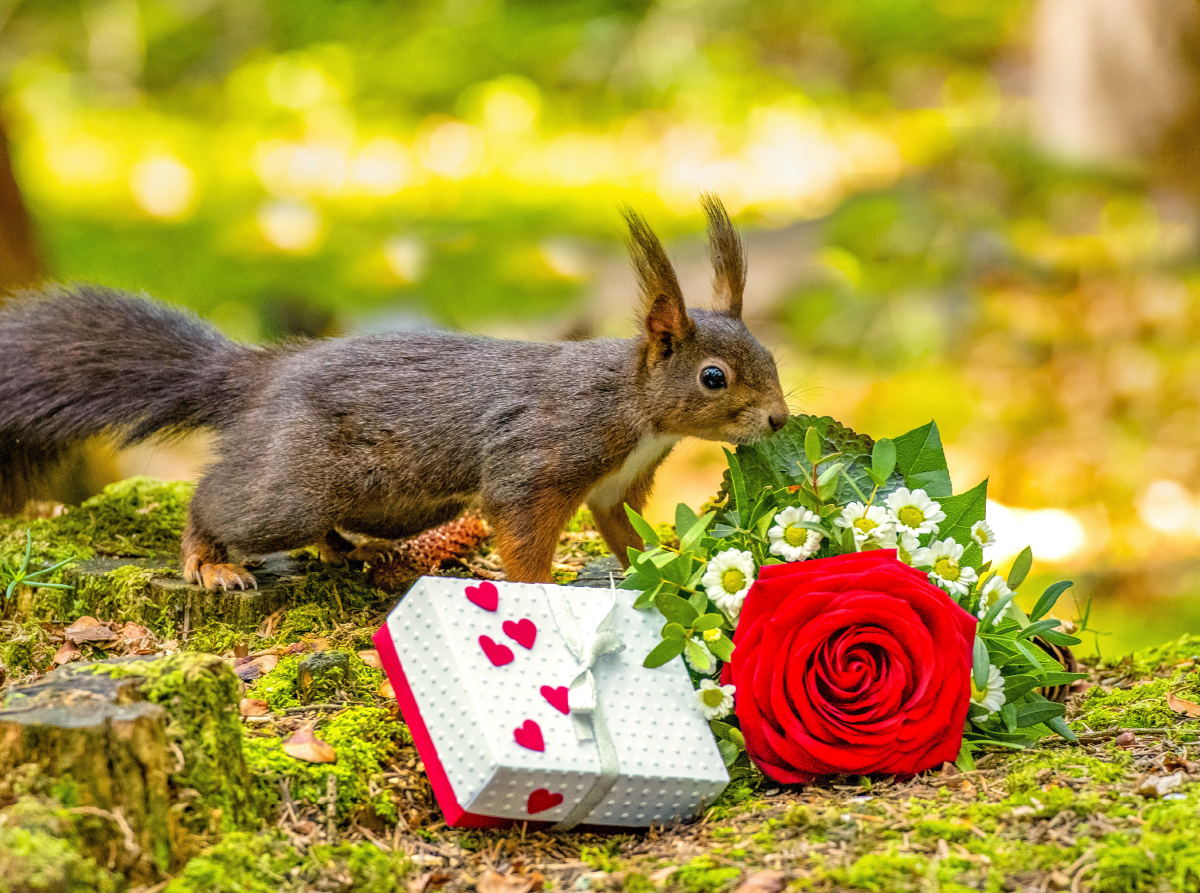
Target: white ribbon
587	647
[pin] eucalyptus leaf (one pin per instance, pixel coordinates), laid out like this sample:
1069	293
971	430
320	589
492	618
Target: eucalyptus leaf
674	631
676	609
664	651
643	527
708	621
697	656
722	648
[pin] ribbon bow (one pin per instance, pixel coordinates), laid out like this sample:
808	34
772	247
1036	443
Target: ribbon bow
587	647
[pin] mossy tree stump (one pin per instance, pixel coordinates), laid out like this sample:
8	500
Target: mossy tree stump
151	746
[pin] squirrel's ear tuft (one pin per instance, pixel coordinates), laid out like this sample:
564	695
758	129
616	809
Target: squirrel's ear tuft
728	257
667	319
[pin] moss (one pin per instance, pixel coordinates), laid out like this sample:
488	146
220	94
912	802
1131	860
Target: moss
703	874
1143	706
136	517
200	694
269	863
1157	658
280	688
123	593
1033	770
25	647
306	620
365	739
885	872
41	850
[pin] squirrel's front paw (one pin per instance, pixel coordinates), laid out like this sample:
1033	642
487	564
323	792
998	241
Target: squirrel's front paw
222	576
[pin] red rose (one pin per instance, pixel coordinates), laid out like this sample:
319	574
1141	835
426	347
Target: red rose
855	663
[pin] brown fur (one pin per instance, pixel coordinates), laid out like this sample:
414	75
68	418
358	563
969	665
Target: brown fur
386	436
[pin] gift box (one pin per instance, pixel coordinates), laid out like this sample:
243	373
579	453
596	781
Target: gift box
529	703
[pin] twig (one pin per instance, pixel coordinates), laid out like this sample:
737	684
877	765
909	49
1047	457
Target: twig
1116	730
331	808
131	843
315	707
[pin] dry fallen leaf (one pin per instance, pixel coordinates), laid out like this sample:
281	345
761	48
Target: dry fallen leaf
1159	785
1180	705
89	629
132	631
763	882
67	653
371	659
253	707
492	882
430	880
1125	739
661	876
304	745
386	690
240	650
249	670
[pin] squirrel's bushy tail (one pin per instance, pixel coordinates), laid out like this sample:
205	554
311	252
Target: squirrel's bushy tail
79	361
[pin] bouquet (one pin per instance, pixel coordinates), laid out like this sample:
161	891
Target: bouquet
838	613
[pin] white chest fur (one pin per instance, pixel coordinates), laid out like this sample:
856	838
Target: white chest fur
612	488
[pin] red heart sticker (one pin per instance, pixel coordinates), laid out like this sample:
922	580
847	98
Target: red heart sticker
541	800
523	633
530	735
485	595
497	654
557	697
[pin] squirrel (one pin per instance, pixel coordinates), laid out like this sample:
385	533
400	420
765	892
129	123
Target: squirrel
388	435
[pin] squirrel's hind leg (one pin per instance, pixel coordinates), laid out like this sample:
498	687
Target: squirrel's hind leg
527	533
206	561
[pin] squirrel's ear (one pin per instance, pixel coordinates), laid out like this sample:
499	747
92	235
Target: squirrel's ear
667	320
727	255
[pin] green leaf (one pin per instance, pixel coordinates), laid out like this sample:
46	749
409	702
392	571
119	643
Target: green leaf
684	519
1045	604
1020	568
642	526
697	656
1059	725
962	511
695	533
674	631
740	500
883	459
708	621
1037	709
1037	628
965	762
1056	638
676	609
720	729
729	752
699	602
1018	686
722	648
812	445
664	651
980	663
994	611
1008	715
645	600
781	461
922	462
1027	652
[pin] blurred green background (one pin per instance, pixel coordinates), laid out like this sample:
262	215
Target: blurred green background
982	212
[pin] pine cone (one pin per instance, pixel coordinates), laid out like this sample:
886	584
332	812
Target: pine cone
425	553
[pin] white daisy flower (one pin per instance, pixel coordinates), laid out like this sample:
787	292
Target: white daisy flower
727	580
714	701
993	590
991	696
712	658
942	558
912	511
982	533
790	542
869	523
902	541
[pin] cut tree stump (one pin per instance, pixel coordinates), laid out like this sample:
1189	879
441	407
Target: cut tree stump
110	745
322	674
148	749
163	593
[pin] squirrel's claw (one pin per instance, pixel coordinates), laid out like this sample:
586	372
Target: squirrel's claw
226	576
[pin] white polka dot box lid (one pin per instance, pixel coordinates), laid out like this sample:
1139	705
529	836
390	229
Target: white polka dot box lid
529	703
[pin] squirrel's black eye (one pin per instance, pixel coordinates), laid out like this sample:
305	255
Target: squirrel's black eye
712	377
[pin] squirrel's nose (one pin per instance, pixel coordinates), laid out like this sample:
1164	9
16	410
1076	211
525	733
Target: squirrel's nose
777	420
